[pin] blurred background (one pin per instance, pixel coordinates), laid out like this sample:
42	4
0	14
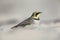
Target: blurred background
15	11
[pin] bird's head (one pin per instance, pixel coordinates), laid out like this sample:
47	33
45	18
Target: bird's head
36	15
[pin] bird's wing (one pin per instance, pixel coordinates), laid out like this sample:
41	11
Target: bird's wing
23	24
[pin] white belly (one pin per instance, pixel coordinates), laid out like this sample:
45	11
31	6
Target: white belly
36	23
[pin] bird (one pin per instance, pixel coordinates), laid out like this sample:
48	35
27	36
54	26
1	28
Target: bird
31	20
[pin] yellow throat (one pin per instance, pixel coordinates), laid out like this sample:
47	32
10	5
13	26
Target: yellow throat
36	15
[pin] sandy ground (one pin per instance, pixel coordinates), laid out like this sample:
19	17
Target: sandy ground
46	32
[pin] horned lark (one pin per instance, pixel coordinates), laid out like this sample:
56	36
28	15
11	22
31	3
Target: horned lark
31	20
